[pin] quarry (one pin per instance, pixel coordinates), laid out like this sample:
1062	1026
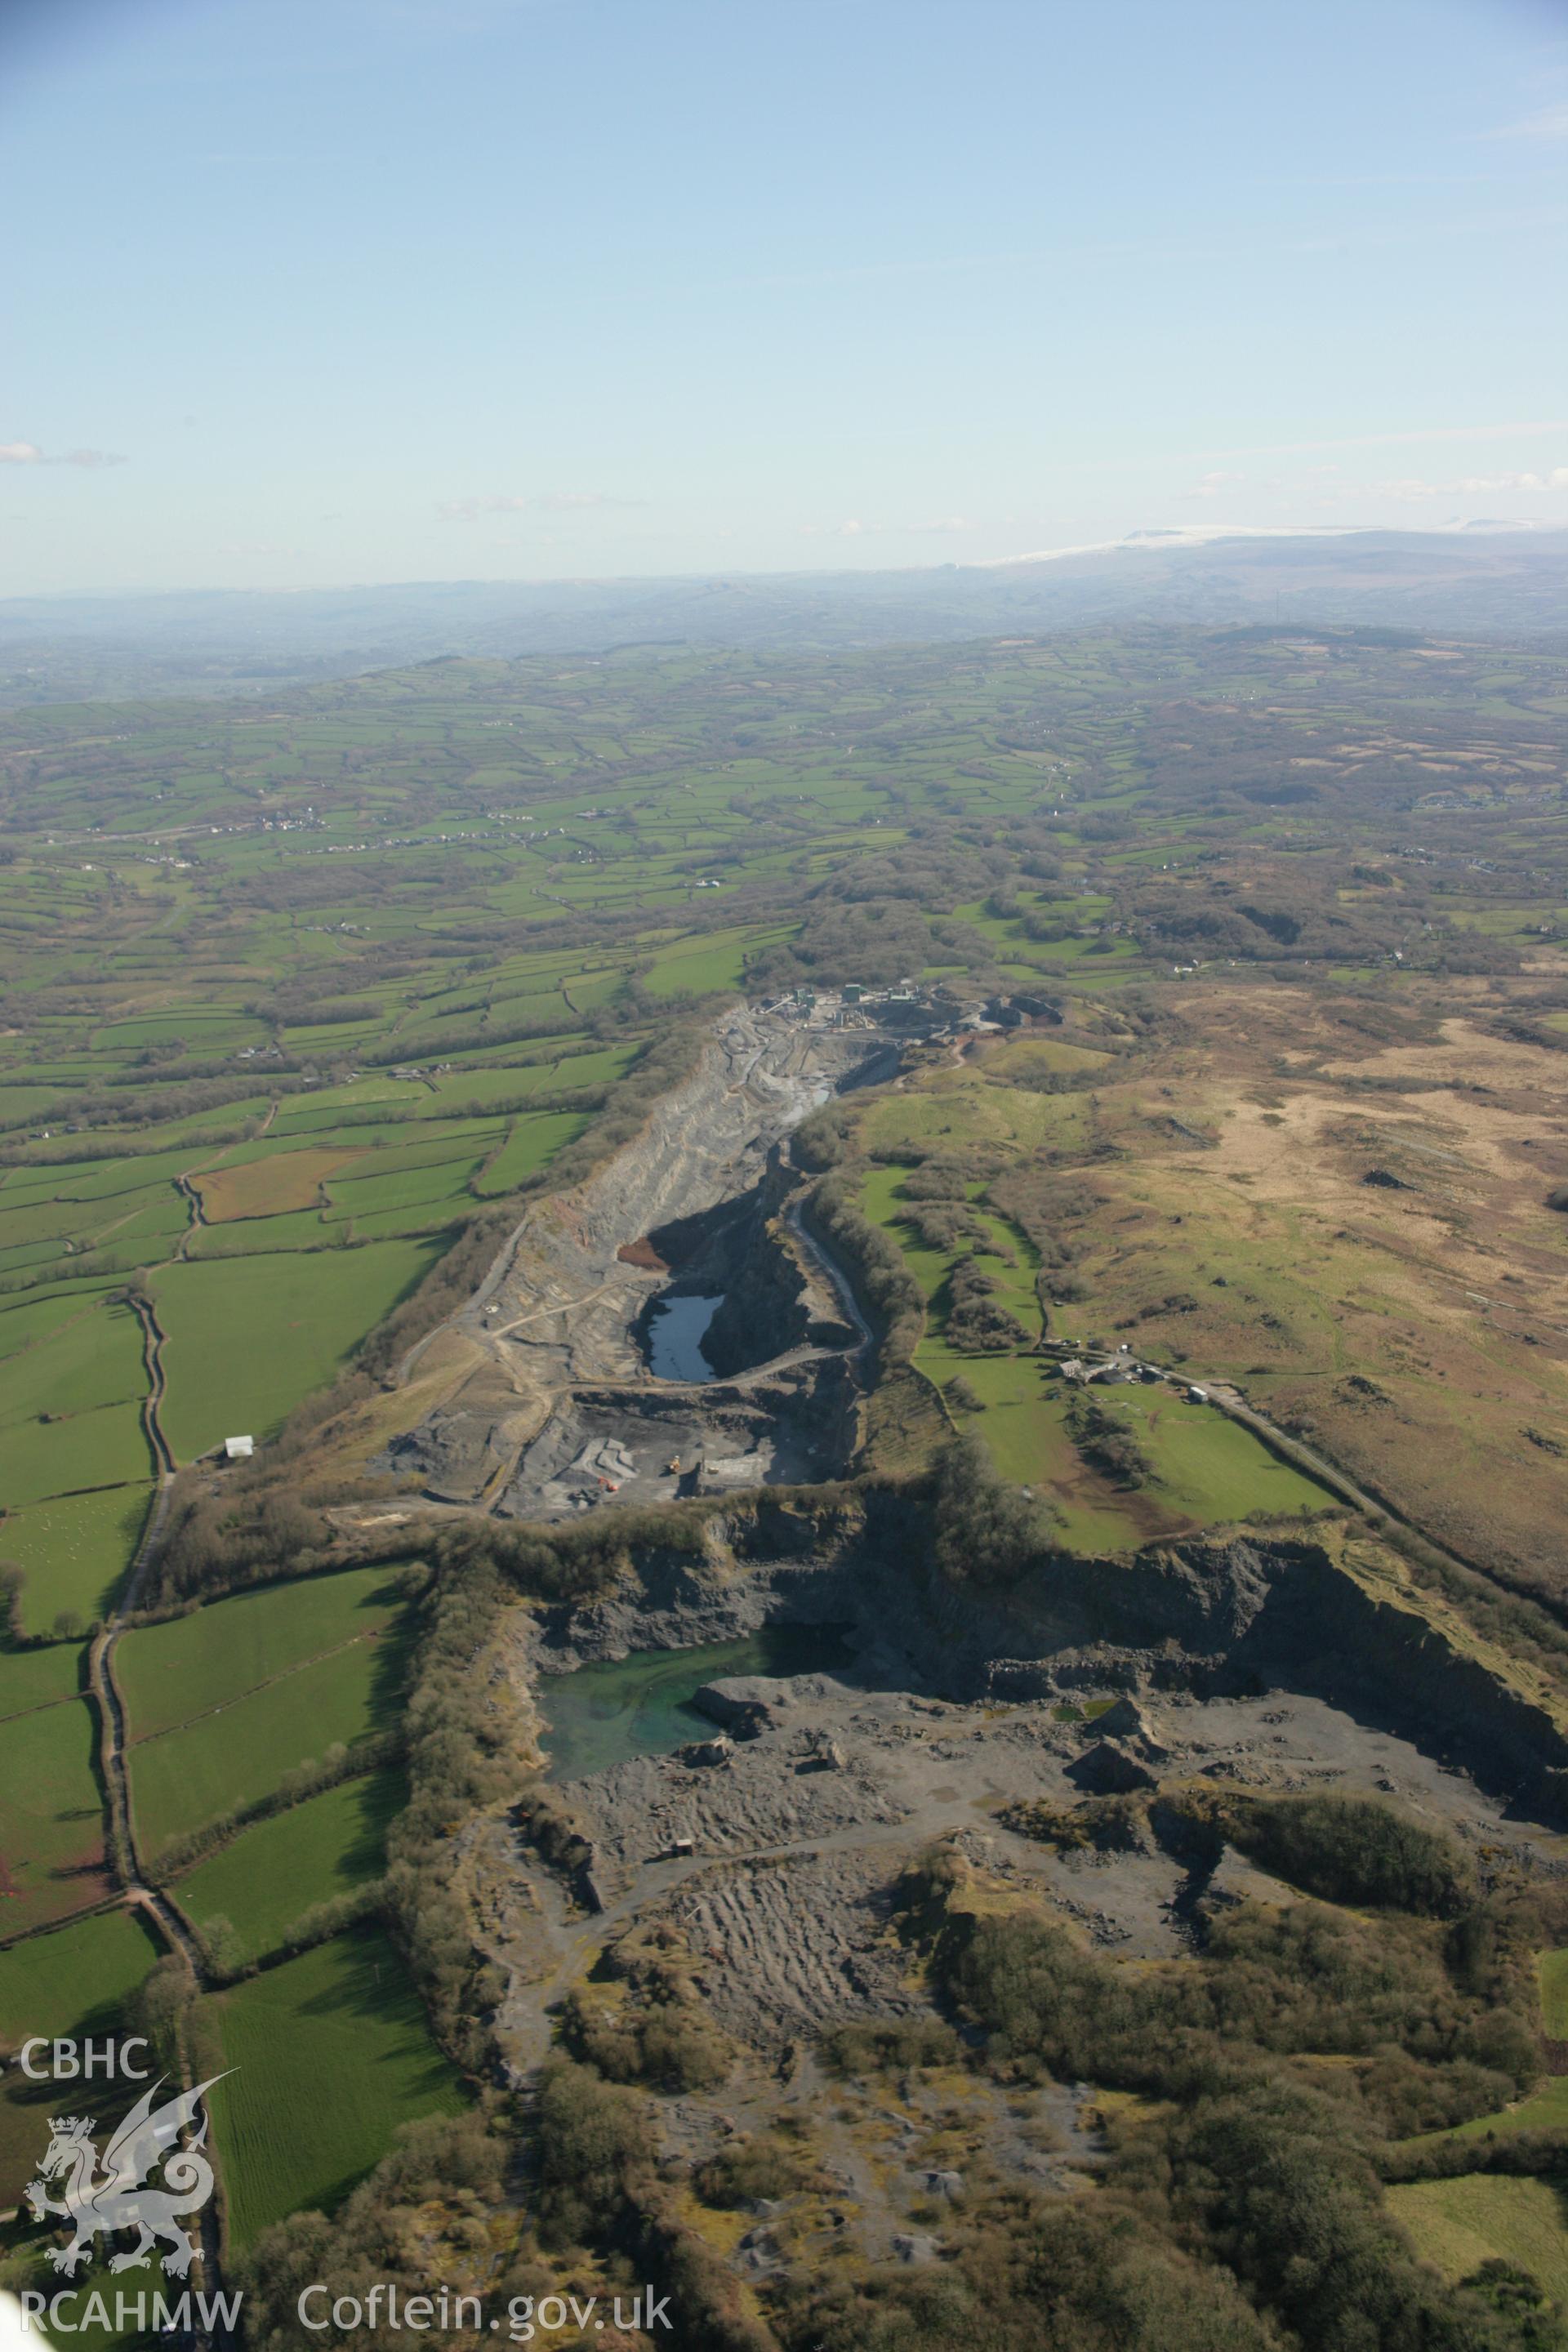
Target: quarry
550	1404
767	1840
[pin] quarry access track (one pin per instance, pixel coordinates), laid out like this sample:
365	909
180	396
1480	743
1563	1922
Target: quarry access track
535	1396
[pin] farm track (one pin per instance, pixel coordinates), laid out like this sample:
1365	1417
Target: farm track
121	1858
156	1905
193	1199
152	1339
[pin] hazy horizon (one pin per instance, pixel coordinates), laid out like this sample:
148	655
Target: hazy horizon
511	291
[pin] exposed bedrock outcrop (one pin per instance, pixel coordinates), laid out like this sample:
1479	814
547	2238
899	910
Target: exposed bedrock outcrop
773	1298
1335	1618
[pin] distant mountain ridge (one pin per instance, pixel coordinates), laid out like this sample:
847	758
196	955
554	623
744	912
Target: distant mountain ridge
1486	579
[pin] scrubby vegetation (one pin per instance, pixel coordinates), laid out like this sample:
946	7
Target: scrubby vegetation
1264	2168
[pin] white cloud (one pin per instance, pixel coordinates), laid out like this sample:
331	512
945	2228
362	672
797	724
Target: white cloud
1472	485
943	526
546	502
1209	486
1391	440
1557	480
27	453
1550	122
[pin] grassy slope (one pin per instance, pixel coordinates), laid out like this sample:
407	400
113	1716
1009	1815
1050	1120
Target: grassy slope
331	2054
51	1818
239	1754
1459	2224
249	1337
73	1550
168	1673
278	1869
66	1983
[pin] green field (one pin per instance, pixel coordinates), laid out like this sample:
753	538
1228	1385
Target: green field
51	1815
698	967
331	2054
170	1671
1207	1466
71	1982
107	1448
1457	2225
274	1873
532	1144
249	1337
33	1678
74	1550
239	1752
52	1983
94	1359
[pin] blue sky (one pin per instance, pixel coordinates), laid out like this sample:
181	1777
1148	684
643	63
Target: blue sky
397	289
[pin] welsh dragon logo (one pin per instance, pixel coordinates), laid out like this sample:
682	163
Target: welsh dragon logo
117	2197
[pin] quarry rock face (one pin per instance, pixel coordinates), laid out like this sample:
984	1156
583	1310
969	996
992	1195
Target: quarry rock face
1108	1769
744	1703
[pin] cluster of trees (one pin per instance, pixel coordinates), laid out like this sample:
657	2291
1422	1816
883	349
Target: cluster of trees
1031	2274
1353	1850
748	2169
1045	1206
650	2026
974	1320
467	1744
582	1558
249	1532
878	941
1245	2192
1208	918
877	2046
1106	1443
984	1529
664	2044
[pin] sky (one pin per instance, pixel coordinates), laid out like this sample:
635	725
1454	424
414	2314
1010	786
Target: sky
304	293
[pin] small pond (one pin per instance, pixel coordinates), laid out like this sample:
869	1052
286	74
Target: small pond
640	1705
672	1338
